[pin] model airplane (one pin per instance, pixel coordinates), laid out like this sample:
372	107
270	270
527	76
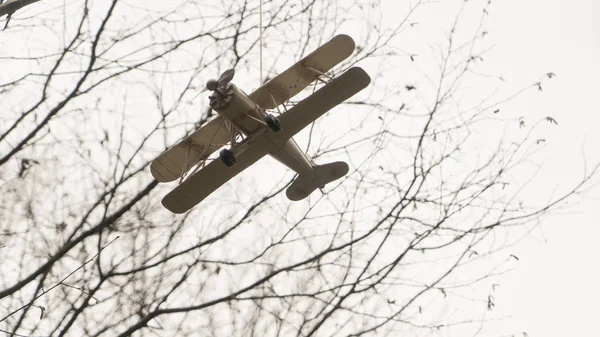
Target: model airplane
252	133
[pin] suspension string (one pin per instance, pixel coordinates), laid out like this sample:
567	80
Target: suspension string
261	43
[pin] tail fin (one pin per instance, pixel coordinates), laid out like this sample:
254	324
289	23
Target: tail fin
303	186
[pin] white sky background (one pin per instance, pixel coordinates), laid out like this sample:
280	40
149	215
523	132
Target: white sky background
554	289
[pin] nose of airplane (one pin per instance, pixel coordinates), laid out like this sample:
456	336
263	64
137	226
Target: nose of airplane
211	85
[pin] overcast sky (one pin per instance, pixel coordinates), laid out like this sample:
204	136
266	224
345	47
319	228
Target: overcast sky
554	291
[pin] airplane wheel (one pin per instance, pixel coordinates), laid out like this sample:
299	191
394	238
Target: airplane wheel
227	157
273	123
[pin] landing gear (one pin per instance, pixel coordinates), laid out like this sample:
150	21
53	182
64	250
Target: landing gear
273	123
227	157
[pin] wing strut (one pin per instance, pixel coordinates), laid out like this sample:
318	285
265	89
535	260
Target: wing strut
185	162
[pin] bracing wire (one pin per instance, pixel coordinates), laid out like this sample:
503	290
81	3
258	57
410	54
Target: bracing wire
260	29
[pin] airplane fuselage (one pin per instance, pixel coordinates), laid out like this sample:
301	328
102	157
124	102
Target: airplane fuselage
262	134
246	116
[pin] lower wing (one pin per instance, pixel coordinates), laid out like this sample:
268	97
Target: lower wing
335	92
202	183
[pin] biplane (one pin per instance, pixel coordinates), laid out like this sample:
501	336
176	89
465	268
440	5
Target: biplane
246	124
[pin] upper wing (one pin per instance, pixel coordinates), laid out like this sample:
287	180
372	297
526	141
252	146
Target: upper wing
208	179
290	82
188	152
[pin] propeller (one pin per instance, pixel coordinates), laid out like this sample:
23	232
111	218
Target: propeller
213	84
225	78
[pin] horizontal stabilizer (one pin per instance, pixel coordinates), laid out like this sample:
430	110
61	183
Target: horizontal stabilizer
303	186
